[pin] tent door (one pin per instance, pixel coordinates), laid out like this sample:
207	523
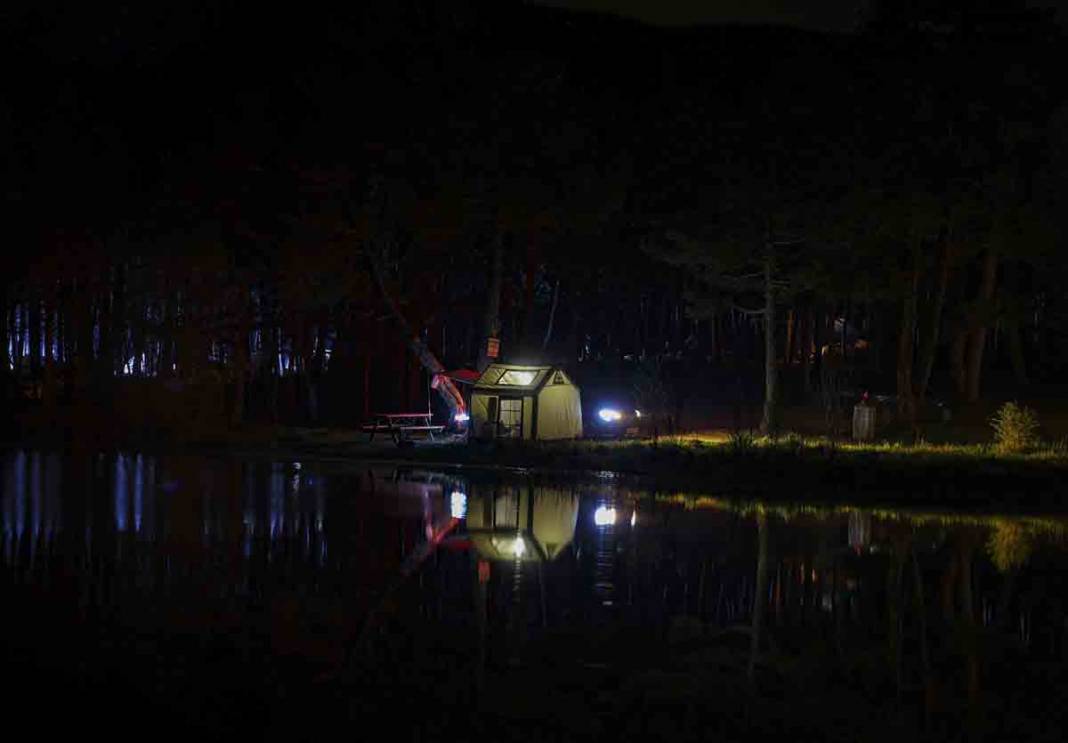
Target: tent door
490	425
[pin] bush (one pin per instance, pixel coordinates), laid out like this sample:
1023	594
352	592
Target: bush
1015	427
741	442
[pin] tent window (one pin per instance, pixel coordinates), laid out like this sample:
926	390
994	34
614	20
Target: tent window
511	418
517	378
558	378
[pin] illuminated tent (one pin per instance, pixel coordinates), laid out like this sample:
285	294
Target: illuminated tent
525	402
507	528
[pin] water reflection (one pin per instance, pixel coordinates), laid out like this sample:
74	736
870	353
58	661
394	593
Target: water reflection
931	614
519	524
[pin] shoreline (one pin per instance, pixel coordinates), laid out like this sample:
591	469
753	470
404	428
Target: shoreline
817	471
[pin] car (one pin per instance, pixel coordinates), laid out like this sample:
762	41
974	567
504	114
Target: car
610	414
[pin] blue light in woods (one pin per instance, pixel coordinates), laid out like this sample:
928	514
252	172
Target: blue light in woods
138	492
35	497
458	505
121	495
277	491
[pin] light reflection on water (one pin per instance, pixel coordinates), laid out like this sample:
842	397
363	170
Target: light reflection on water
302	553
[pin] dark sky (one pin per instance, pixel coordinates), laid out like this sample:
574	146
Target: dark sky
829	15
824	14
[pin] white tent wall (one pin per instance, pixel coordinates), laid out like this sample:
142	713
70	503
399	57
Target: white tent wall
555	514
552	412
528	417
559	412
480	422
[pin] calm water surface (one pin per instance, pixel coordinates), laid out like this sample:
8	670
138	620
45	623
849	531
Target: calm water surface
287	600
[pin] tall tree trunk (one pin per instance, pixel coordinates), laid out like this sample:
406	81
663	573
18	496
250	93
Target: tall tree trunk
956	360
270	368
1012	325
526	318
552	316
444	386
806	352
1016	354
492	321
788	354
49	386
241	373
930	340
769	421
35	338
977	340
5	338
906	400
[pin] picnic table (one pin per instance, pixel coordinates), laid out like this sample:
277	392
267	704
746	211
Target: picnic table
400	426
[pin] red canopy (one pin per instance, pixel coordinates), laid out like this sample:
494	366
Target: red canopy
464	376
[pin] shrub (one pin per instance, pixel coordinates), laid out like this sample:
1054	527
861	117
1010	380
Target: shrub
741	442
1015	427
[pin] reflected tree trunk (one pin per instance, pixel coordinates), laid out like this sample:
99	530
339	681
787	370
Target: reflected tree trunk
896	614
971	632
760	592
925	655
769	422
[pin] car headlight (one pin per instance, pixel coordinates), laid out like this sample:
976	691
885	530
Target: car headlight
604	516
609	415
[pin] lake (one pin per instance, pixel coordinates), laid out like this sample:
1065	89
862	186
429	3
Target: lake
215	596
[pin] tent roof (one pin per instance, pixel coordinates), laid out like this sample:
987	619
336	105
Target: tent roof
495	373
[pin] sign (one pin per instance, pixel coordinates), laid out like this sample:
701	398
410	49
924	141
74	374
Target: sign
493	347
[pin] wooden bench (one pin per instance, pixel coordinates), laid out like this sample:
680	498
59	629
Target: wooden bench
405	431
400	426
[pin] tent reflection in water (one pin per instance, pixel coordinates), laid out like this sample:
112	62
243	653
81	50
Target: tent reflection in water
525	402
530	528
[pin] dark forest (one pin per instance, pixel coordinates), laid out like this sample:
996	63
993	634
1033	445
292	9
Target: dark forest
222	214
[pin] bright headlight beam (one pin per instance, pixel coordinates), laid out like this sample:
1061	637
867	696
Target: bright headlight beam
604	516
609	415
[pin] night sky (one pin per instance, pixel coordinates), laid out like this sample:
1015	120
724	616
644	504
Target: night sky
827	15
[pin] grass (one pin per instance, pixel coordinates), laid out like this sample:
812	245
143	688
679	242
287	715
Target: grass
958	465
791	467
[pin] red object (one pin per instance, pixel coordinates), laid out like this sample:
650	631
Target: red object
493	347
483	571
466	376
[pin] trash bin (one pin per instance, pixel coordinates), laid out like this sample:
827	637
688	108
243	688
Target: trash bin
863	422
